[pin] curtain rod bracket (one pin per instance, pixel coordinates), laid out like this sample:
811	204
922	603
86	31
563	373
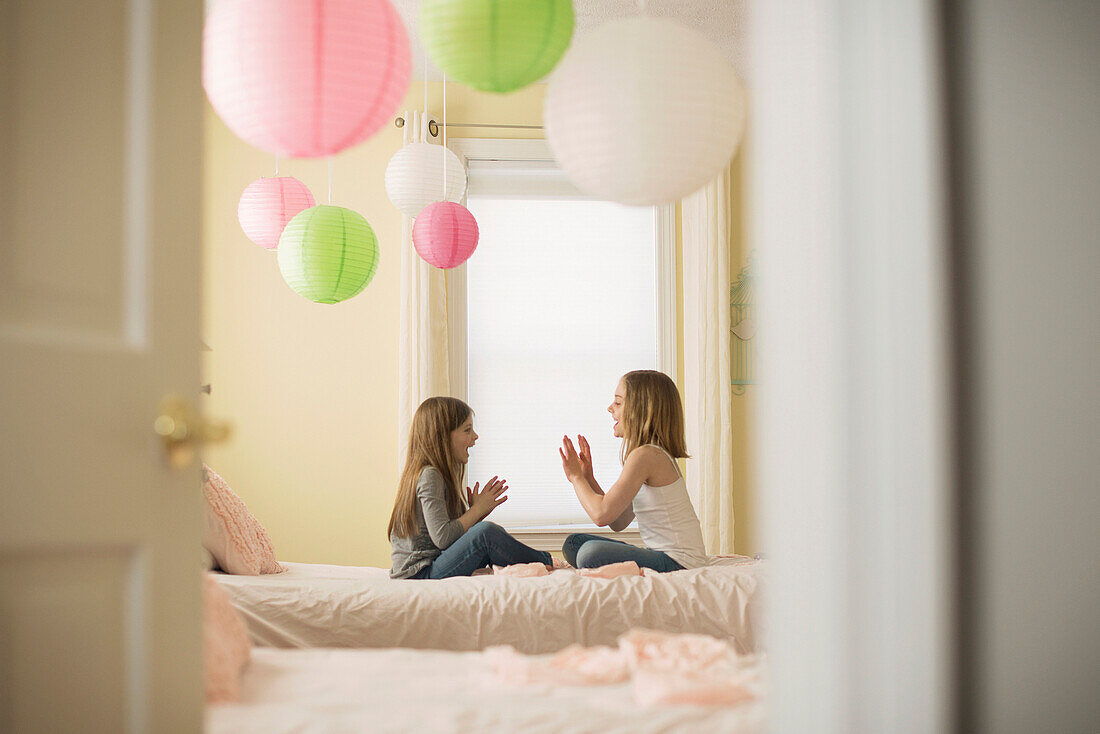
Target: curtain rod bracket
433	126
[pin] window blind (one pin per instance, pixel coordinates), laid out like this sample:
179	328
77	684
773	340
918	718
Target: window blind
561	301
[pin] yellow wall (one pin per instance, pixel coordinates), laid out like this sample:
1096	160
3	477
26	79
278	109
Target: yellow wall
312	389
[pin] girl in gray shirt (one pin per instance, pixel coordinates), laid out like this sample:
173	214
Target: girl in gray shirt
435	532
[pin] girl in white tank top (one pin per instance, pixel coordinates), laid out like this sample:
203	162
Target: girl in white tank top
650	419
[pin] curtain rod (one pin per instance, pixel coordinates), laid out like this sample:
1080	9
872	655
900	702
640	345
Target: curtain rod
433	126
484	124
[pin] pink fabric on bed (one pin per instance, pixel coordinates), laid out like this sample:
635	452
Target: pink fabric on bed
233	535
612	570
226	648
685	669
665	668
521	570
657	688
576	665
597	665
675	651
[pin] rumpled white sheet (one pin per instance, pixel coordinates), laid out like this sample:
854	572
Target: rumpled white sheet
401	691
344	606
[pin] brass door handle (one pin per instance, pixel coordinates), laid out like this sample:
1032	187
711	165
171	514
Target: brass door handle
182	429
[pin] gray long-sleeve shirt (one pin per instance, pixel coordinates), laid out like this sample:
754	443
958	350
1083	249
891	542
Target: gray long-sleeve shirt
435	529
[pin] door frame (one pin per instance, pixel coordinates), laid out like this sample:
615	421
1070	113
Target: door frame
847	176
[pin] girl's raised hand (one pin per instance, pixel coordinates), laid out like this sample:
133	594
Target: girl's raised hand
586	458
489	498
571	462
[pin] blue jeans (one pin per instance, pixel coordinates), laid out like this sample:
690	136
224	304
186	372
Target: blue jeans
484	544
584	550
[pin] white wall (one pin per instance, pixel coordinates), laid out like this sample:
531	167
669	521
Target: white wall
1028	94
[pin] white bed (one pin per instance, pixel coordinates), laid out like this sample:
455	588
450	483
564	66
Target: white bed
315	605
333	691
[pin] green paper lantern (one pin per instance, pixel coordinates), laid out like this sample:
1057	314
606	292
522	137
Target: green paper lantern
496	45
328	254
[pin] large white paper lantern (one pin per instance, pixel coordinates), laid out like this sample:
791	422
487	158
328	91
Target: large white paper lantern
414	177
643	111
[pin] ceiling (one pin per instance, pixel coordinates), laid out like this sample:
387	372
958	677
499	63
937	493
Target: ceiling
722	21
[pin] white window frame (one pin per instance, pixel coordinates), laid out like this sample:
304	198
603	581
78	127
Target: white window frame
495	149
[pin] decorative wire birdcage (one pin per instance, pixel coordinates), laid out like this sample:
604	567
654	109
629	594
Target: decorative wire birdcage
743	326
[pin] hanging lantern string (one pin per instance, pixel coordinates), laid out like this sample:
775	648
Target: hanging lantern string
444	151
330	179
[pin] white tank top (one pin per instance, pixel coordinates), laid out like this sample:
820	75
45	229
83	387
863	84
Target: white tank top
667	521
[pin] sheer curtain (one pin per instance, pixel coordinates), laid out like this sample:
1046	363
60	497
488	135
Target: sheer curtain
706	241
424	337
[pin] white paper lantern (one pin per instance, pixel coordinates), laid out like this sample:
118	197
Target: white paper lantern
414	177
643	111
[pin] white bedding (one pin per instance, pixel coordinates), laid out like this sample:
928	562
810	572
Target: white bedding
333	691
345	606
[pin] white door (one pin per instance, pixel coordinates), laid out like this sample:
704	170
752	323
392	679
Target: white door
100	185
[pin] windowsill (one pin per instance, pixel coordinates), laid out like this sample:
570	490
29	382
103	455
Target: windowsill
551	537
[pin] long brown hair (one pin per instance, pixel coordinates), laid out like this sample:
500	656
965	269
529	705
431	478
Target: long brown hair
430	445
652	413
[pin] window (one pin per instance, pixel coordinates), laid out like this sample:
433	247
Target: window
564	295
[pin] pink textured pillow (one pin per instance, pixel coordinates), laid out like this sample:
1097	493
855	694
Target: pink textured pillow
233	535
226	648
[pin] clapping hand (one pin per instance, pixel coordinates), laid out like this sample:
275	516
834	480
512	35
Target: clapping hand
576	466
586	458
487	499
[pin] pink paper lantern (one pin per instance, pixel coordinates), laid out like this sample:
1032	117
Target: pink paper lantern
267	204
445	234
305	78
